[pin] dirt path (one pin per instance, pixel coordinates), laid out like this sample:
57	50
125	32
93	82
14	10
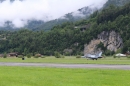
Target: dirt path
124	67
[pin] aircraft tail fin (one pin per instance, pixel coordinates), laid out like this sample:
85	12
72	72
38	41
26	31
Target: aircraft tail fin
100	54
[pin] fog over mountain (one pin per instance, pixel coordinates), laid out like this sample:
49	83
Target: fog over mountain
18	12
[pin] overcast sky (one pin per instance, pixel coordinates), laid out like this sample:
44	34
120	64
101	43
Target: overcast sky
19	12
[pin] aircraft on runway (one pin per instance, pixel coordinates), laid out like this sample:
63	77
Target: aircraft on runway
93	56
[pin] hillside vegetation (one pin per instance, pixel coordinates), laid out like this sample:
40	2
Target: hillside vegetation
70	38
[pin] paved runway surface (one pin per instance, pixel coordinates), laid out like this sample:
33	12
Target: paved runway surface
124	67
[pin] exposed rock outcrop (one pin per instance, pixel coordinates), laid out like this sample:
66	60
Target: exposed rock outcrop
111	40
91	48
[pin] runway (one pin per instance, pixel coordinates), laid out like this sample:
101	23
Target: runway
86	66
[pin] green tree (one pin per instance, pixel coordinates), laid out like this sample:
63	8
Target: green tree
5	55
57	55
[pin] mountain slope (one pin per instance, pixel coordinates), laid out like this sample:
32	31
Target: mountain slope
116	2
80	14
108	25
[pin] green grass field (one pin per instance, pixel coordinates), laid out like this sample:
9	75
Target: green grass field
70	60
36	76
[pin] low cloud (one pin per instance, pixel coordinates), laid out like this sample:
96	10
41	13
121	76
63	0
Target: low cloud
20	12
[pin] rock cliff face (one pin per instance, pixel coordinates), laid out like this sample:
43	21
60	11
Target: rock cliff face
91	48
111	40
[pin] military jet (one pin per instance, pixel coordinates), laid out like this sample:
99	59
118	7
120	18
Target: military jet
93	56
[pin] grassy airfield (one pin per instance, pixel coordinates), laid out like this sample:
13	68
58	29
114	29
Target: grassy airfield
38	76
70	60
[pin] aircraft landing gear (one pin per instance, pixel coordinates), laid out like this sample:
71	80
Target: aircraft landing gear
94	58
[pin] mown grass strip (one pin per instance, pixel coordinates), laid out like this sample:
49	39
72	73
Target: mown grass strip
33	76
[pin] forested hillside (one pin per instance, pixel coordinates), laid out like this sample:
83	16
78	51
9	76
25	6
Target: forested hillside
70	38
116	3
